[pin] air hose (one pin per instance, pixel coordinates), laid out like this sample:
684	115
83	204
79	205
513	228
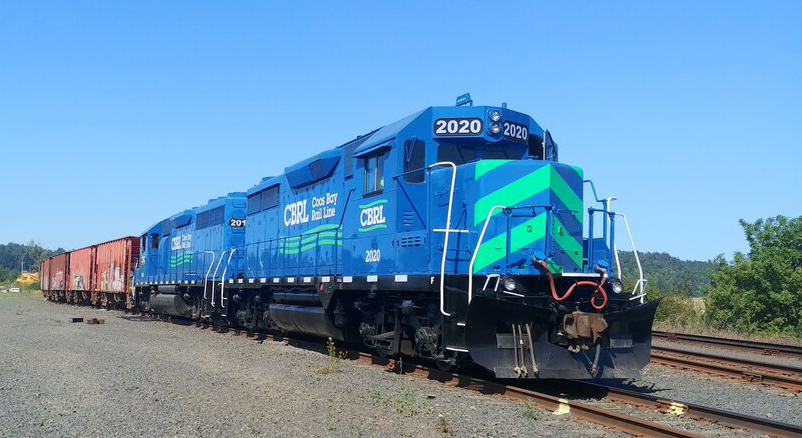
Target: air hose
599	288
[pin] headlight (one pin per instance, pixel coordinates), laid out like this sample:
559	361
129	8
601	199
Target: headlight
494	128
509	284
495	116
616	286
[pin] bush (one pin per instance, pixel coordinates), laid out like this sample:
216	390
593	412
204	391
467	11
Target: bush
676	313
760	291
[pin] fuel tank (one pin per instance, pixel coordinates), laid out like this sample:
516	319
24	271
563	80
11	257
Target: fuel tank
304	319
170	304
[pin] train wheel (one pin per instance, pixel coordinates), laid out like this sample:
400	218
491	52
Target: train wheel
451	362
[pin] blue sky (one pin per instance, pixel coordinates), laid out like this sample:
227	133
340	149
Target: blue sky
689	112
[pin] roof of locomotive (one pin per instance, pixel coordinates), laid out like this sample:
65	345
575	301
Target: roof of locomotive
366	143
183	218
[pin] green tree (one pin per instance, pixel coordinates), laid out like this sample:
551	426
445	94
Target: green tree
760	291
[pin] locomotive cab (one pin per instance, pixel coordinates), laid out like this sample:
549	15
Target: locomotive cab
522	292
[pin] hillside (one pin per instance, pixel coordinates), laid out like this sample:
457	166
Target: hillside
13	254
667	273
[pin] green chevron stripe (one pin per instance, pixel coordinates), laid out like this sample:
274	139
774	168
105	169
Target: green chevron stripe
512	193
527	186
521	235
566	194
579	171
371	204
484	166
568	243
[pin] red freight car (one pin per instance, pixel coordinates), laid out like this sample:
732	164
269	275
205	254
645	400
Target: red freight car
58	271
44	277
99	274
79	283
114	270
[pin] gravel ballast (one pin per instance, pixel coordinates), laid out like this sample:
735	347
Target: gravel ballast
728	394
138	377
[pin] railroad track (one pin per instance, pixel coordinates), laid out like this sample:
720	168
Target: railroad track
522	391
763	348
772	374
783	376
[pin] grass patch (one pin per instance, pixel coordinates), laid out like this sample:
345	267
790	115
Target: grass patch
405	402
529	410
443	428
334	358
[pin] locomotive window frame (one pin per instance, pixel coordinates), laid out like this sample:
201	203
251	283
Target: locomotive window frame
414	159
262	200
536	147
254	203
210	218
270	197
374	173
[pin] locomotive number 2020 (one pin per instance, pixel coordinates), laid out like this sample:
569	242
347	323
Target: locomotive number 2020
373	255
458	126
515	131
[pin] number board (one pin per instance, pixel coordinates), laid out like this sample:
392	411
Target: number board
515	131
236	222
458	126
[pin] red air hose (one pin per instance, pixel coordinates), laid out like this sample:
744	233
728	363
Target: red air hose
598	286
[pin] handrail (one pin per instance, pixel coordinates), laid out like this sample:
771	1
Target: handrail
476	251
206	278
223	277
214	276
447	231
593	187
640	284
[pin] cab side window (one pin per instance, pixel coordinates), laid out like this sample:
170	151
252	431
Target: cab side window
154	240
374	173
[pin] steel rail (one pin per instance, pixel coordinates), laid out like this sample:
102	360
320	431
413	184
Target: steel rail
735	361
764	348
728	371
582	411
681	408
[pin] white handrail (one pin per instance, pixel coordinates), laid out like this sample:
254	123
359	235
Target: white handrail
214	276
206	278
476	251
640	284
223	280
447	231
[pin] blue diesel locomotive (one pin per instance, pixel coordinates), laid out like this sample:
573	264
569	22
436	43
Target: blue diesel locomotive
453	234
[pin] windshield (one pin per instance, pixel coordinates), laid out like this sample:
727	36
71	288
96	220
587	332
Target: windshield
462	153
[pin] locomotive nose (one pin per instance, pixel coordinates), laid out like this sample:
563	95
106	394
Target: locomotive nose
518	341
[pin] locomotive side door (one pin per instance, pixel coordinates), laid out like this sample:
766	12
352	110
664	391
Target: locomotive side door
411	245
